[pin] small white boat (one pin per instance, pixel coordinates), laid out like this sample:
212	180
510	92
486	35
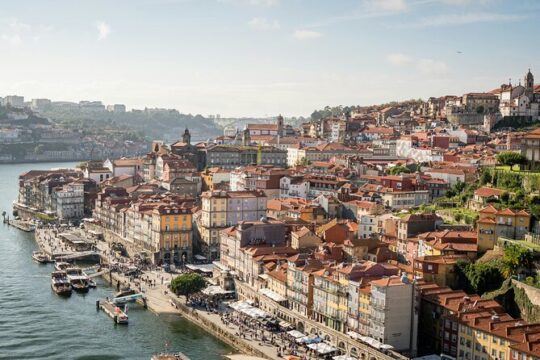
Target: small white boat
61	266
41	257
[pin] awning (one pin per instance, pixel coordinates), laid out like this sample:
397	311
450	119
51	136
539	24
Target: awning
285	325
375	343
296	334
207	268
199	257
343	357
313	339
322	348
215	290
272	295
249	310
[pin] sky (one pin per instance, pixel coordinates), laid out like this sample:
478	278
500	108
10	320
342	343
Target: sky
263	57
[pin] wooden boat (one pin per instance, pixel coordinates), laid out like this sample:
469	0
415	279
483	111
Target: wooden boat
79	281
60	283
41	257
61	265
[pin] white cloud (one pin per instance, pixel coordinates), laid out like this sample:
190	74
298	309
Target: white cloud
398	59
13	32
103	29
426	66
306	34
260	23
388	5
462	19
432	67
266	3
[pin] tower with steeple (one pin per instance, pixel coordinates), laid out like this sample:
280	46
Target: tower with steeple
186	137
529	85
280	125
246	137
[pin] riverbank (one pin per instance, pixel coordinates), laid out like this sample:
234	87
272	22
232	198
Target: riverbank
160	301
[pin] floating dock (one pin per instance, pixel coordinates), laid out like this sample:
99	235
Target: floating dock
114	312
22	225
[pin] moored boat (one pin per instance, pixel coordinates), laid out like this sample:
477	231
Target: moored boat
79	281
60	283
41	257
61	265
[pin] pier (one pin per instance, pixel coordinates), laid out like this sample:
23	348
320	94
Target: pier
114	312
21	225
55	245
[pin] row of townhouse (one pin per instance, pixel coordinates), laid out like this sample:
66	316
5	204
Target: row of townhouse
360	299
159	224
59	194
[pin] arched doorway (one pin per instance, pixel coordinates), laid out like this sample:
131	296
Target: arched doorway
354	352
300	326
341	345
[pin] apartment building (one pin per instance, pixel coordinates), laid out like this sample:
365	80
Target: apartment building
504	223
220	209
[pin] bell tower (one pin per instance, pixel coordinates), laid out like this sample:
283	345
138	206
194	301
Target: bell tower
529	85
186	137
280	125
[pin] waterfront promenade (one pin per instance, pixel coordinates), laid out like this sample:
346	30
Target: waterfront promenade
159	299
226	324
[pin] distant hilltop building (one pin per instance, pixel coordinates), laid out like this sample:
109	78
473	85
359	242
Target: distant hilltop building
14	101
267	129
91	106
40	104
116	108
519	100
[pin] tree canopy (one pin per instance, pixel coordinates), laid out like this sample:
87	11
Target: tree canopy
399	169
480	277
516	257
511	158
187	284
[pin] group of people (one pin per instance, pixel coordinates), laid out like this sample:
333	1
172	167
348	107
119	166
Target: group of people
252	329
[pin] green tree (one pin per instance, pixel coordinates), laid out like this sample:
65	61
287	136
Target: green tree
505	198
485	177
479	278
516	257
187	284
399	169
512	158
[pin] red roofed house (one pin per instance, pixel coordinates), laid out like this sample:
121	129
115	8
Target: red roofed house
504	223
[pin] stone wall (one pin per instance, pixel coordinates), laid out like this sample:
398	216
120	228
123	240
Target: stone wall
527	298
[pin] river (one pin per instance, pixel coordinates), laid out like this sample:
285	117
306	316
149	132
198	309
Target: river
36	324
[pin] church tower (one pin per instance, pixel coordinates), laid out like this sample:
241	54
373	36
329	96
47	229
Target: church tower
529	84
246	137
186	138
280	125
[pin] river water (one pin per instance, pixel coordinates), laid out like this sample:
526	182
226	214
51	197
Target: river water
37	324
